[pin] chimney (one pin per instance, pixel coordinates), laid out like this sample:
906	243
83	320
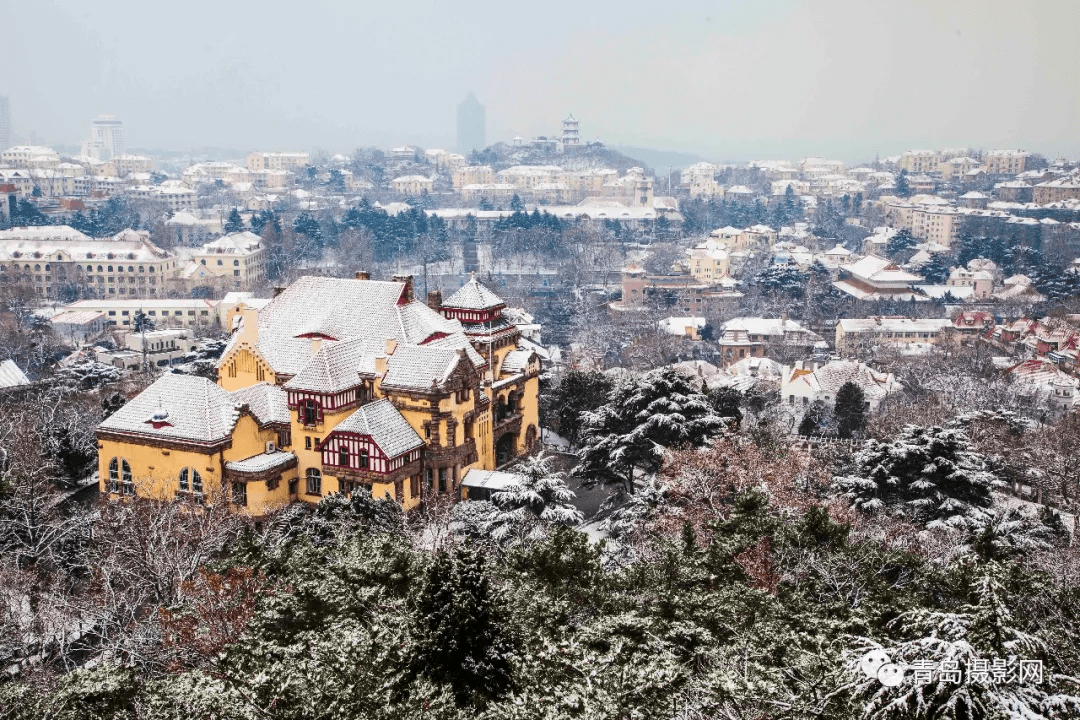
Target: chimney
363	275
434	300
391	346
406	296
316	343
250	332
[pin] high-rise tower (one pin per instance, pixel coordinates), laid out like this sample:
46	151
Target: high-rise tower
5	122
106	138
471	125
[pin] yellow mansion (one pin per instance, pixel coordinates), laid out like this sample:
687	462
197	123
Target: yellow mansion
335	386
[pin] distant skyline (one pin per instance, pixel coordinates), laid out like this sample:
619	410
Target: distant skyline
734	80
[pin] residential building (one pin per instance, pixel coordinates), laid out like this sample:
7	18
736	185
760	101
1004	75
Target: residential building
708	261
956	169
875	278
854	334
682	293
1056	191
29	156
129	164
1016	191
55	257
472	175
189	230
471	126
746	337
336	386
802	384
150	348
287	161
920	161
981	281
1005	162
412	184
236	261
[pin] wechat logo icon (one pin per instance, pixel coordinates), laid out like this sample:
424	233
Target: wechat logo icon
878	664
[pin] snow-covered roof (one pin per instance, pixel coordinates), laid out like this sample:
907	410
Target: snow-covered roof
474	295
178	407
341	309
268	403
11	376
261	462
385	425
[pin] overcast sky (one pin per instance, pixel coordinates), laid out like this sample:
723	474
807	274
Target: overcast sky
725	79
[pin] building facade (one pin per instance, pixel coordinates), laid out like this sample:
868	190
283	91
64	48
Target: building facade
335	386
59	259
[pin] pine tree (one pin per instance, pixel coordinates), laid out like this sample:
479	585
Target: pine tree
850	410
924	475
458	632
903	189
234	223
643	416
900	243
936	270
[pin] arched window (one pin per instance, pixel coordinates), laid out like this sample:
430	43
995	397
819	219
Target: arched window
184	484
126	480
196	482
314	481
236	263
114	475
99	269
110	268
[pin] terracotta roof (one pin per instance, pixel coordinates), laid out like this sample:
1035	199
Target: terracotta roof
382	422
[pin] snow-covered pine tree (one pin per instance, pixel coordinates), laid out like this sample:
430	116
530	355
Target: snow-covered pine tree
528	507
955	651
234	223
643	416
924	475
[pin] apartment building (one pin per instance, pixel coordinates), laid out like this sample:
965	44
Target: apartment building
957	168
472	175
236	261
920	161
1056	191
1005	162
29	156
276	161
936	224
